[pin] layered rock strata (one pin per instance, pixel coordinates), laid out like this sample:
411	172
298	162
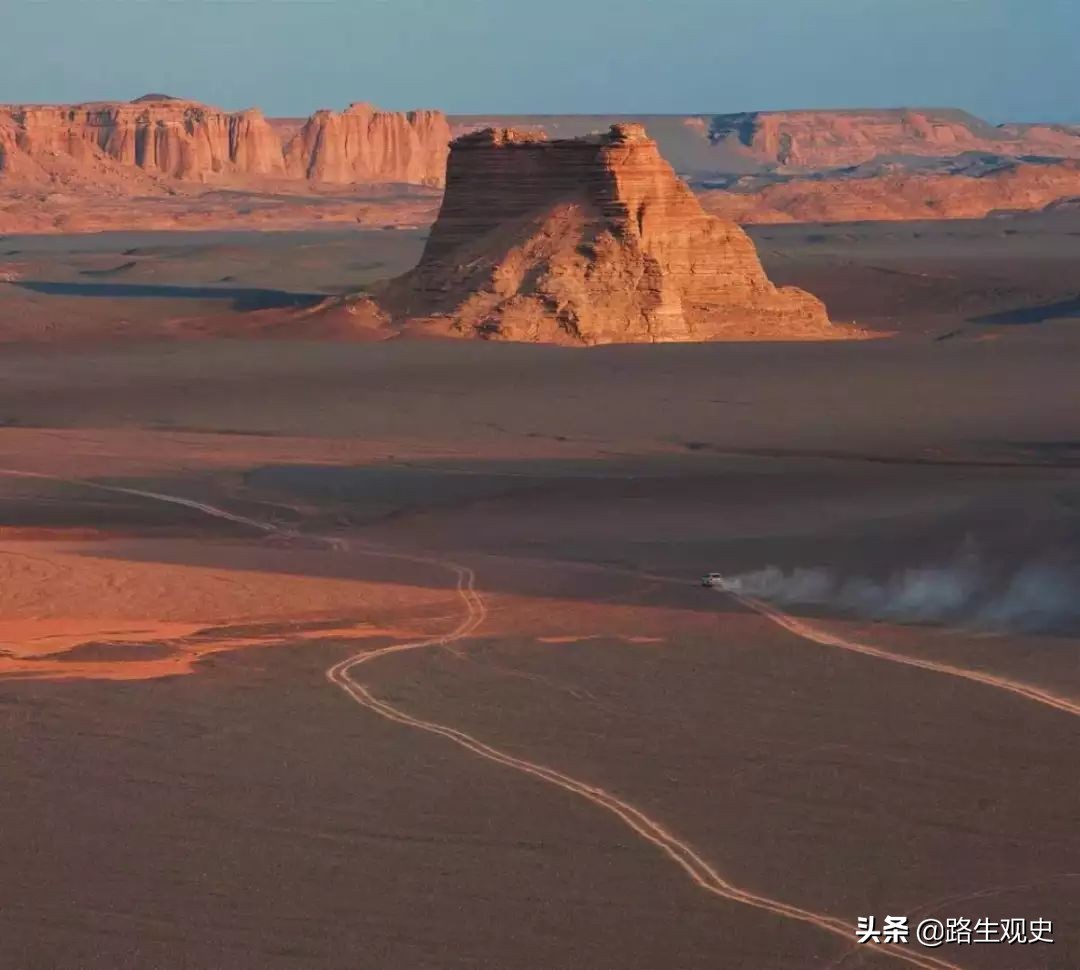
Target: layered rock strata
363	145
900	195
172	139
817	140
588	241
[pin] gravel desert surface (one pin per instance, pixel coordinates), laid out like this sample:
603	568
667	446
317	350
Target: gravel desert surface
394	655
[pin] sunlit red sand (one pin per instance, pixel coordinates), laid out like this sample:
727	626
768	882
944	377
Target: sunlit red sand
701	872
67	609
588	492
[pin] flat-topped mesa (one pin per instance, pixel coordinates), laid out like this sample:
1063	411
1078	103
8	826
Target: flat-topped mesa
816	140
617	134
958	189
165	137
589	240
161	136
363	144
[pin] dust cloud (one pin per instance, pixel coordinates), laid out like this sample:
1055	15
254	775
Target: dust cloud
970	591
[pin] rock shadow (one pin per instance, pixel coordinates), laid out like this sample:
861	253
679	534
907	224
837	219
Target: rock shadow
242	298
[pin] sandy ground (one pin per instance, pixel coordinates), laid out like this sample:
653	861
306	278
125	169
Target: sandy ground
944	280
193	207
338	655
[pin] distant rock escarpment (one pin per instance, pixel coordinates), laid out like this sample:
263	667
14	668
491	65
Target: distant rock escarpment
816	140
980	188
363	145
588	240
167	138
702	147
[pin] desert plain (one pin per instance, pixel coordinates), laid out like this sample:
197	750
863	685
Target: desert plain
322	653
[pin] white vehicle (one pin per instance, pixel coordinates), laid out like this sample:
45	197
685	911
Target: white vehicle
714	579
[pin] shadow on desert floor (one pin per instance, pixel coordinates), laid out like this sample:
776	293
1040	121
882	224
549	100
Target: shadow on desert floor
1032	314
563	537
243	299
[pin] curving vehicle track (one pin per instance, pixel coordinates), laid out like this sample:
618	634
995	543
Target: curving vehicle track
809	632
342	675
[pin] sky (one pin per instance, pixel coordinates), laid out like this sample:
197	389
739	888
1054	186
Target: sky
1001	59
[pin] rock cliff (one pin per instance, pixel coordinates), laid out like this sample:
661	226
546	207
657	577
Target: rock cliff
168	138
589	240
702	147
957	193
364	145
815	140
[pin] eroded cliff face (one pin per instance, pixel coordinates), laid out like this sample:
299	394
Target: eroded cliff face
898	196
588	241
365	145
168	138
172	139
814	140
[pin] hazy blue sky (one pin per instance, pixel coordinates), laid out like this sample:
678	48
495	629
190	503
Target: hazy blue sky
1004	59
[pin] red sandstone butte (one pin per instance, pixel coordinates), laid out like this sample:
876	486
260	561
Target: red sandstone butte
589	241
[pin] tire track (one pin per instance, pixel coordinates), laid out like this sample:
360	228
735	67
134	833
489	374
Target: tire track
809	632
683	855
701	872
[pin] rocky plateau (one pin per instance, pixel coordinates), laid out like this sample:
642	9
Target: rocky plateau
166	163
964	189
147	143
816	140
